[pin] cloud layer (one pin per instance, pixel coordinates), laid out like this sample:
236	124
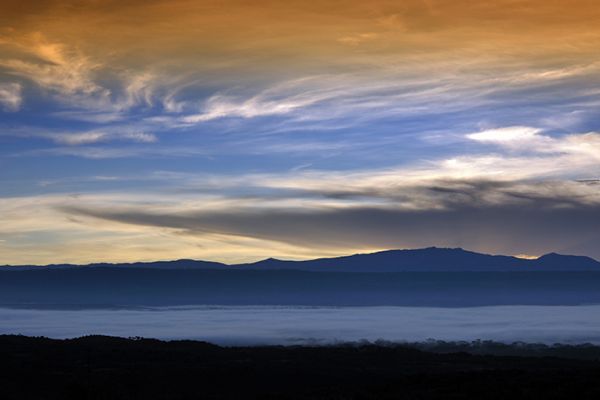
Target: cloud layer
316	325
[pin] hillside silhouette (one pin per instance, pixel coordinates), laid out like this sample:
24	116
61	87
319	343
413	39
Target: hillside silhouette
98	367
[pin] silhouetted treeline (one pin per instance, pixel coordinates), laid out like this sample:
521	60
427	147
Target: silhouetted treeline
98	367
582	351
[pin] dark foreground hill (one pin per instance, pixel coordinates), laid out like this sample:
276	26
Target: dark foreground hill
113	368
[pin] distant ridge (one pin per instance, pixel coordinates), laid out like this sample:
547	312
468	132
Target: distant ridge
432	277
416	260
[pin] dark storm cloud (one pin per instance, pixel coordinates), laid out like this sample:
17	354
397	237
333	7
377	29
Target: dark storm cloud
518	224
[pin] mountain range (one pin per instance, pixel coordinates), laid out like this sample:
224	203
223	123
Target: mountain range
424	277
426	260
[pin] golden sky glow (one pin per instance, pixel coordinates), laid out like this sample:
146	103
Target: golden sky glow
263	37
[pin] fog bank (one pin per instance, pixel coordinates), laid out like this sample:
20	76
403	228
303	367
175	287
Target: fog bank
230	325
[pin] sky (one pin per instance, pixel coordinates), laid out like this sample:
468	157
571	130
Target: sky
239	130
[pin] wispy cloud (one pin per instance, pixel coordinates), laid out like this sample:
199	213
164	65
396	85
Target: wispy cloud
391	91
75	139
507	136
139	89
98	152
112	134
280	99
90	88
55	67
10	96
582	149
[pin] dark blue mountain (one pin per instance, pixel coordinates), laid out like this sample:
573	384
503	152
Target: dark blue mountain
432	259
182	264
557	262
424	277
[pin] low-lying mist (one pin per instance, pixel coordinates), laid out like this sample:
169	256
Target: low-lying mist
254	325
